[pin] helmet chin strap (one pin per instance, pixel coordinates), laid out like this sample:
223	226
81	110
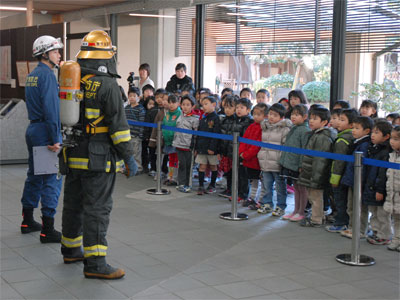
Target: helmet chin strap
46	57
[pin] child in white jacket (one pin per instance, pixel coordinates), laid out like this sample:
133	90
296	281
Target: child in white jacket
392	202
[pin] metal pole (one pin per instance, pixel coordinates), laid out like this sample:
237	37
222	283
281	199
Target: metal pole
158	190
338	50
233	215
199	49
355	259
191	169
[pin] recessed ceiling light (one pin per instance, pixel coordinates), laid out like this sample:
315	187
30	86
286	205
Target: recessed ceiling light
153	16
12	8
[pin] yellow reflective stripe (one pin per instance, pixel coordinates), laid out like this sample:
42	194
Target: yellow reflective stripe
121	136
98	120
95	130
71	243
78	163
92	113
119	165
342	140
335	179
108	167
96	250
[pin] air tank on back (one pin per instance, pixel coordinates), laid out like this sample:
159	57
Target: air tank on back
70	94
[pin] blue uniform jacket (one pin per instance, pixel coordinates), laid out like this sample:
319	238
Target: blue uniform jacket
42	102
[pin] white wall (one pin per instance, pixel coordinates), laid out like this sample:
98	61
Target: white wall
128	53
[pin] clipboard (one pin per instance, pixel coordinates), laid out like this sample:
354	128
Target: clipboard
45	162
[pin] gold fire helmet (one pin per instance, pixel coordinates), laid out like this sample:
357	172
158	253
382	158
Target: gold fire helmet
96	45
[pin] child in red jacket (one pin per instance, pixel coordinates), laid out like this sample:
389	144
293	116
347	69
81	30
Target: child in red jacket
248	153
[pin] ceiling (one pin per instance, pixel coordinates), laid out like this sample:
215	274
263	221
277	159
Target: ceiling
61	6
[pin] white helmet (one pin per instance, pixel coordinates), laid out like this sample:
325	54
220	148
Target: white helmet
45	44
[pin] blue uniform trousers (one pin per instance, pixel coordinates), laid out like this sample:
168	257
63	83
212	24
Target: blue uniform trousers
43	188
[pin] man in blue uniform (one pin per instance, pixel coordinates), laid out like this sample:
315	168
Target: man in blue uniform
42	102
103	144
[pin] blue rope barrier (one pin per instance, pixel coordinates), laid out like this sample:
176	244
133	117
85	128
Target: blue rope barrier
300	151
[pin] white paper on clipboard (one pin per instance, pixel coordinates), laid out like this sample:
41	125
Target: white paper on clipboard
44	161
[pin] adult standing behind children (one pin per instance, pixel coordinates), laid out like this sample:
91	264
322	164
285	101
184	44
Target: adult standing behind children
43	107
144	77
179	80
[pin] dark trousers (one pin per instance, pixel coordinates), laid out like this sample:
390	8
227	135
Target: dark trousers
184	166
340	196
40	188
228	176
148	156
86	211
243	184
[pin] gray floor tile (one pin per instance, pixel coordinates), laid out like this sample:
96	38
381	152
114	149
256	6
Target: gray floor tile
19	275
130	287
243	289
202	293
216	277
252	272
37	288
159	296
379	287
14	263
156	272
181	282
7	292
312	279
345	291
278	284
305	294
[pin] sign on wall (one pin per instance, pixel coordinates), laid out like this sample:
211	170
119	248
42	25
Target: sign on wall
5	66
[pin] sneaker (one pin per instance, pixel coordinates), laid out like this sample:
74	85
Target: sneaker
179	186
254	206
336	228
248	202
184	189
239	199
200	191
306	222
278	212
374	240
226	194
288	216
152	173
394	246
210	190
330	218
264	209
297	218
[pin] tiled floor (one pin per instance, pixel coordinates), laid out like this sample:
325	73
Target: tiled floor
176	247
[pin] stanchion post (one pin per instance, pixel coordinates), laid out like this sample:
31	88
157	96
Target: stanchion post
355	259
233	215
158	190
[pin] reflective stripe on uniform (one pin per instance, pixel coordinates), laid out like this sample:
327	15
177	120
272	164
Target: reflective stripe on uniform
119	165
78	163
108	167
121	136
92	113
71	243
96	250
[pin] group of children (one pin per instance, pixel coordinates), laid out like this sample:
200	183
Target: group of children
319	183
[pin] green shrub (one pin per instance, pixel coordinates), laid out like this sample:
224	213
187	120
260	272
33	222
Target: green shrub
317	91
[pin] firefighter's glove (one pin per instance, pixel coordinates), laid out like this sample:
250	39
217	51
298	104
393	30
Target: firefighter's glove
130	167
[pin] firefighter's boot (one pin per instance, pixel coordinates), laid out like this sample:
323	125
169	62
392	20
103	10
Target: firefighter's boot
48	233
28	223
72	255
96	267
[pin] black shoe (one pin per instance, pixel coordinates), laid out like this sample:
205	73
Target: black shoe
48	233
97	268
28	223
72	255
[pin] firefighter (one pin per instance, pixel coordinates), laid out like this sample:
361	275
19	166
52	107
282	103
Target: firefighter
92	165
42	102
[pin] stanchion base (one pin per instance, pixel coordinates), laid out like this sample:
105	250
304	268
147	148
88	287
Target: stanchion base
155	192
228	216
362	261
